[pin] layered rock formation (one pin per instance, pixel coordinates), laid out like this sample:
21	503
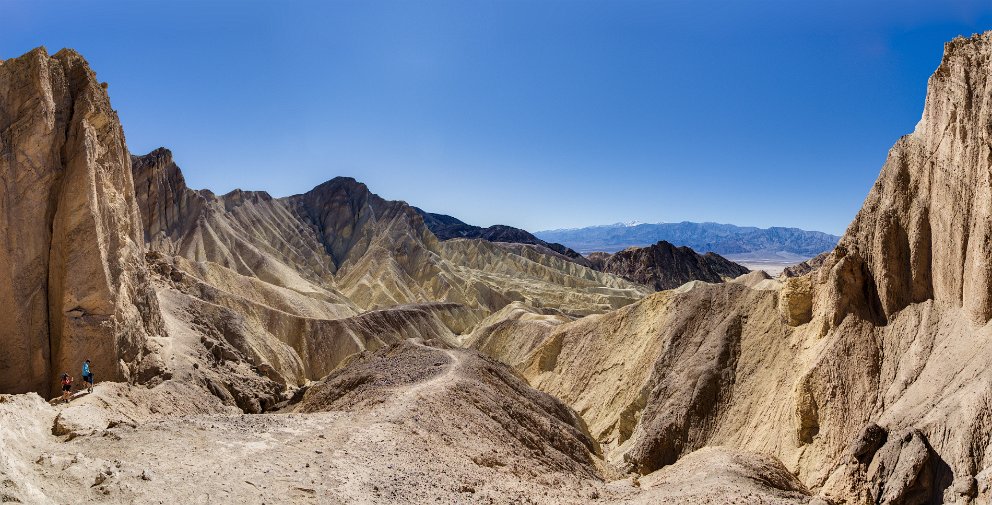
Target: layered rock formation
72	277
293	286
447	227
912	273
664	266
677	374
341	241
250	233
924	230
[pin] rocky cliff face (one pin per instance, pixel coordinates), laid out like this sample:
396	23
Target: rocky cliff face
925	230
72	277
664	266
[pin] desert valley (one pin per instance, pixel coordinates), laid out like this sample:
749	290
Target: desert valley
337	347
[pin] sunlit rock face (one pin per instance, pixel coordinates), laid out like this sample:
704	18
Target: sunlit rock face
925	230
72	278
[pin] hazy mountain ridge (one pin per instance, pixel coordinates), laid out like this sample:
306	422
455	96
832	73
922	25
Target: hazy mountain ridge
723	239
660	266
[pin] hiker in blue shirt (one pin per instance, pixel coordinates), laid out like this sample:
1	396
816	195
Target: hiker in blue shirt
88	376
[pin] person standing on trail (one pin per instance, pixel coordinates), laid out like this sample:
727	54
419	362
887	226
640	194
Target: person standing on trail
88	376
66	387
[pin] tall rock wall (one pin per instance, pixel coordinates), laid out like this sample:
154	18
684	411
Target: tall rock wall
925	230
72	277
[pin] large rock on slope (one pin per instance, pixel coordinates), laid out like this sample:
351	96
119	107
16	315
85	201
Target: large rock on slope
665	266
72	278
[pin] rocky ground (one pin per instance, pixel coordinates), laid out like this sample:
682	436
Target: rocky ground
412	423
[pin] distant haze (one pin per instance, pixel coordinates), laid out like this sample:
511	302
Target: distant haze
739	242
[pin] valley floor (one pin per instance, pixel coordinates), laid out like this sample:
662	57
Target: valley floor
772	268
390	437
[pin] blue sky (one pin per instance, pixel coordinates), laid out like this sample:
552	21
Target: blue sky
534	114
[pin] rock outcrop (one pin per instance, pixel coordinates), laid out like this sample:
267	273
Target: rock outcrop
806	266
72	274
664	266
250	233
925	229
598	259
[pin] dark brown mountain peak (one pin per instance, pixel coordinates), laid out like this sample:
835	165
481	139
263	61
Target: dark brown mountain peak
665	266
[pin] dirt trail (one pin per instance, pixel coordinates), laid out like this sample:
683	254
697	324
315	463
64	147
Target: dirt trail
410	396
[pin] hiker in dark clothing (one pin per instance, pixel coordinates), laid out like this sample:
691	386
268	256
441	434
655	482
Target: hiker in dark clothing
66	387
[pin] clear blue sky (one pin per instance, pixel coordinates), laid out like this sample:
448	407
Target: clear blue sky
535	114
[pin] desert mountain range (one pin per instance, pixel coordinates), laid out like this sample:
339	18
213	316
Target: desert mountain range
336	347
726	239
